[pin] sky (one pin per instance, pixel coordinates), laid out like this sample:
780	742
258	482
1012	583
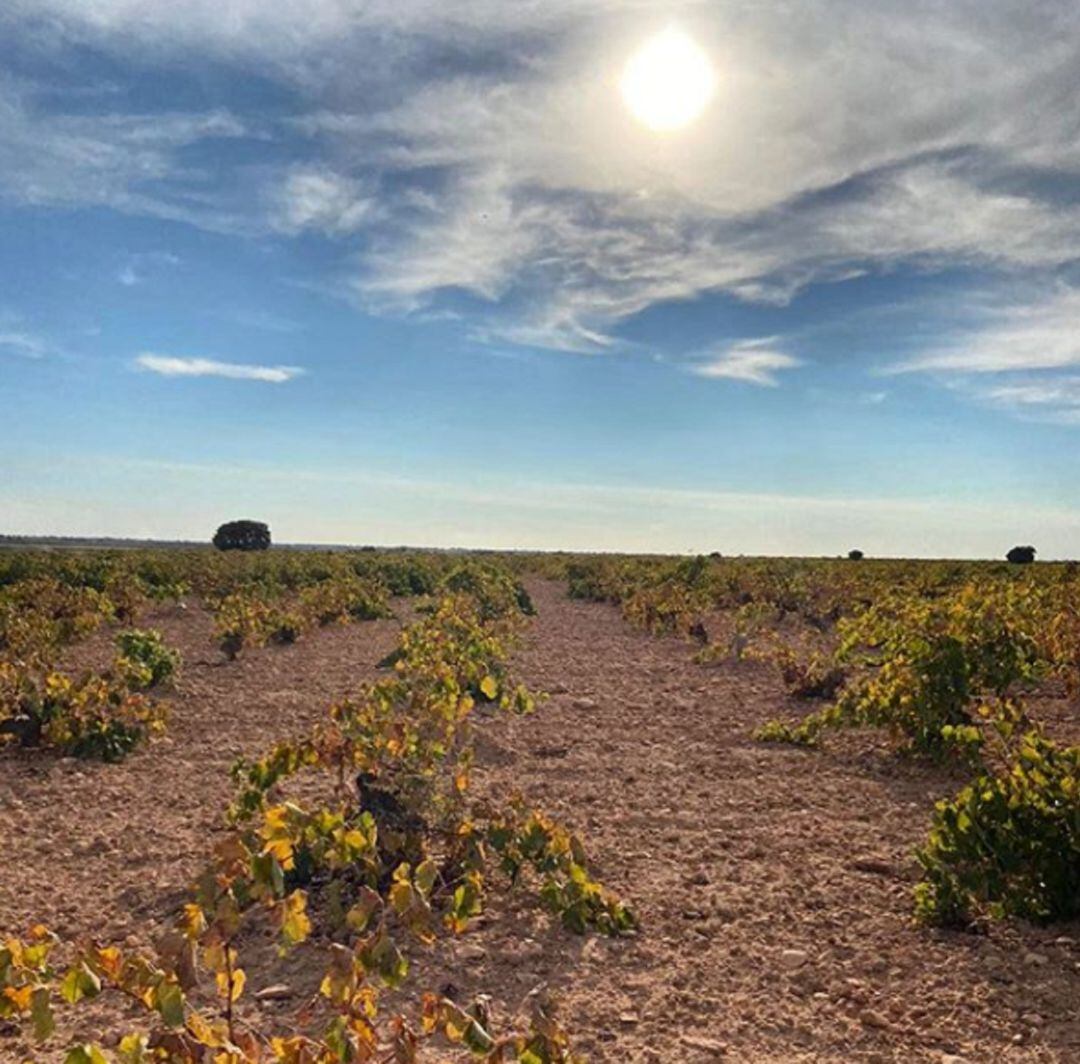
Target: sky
412	272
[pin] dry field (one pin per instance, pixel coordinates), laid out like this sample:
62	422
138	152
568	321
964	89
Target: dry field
773	884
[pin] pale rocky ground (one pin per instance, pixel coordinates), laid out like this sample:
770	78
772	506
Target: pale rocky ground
773	885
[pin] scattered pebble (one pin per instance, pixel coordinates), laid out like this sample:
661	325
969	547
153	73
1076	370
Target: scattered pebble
277	992
707	1045
870	1018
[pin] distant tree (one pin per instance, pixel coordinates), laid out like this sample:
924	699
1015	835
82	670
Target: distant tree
242	535
1021	555
856	555
715	555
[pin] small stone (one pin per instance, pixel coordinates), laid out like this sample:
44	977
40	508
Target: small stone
277	992
584	703
629	1018
1033	1019
870	1018
698	879
952	1058
793	958
472	953
593	950
707	1045
1064	940
1035	958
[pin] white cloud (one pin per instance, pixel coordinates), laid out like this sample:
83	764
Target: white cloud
1054	399
559	265
1041	334
129	162
322	200
845	136
1058	390
171	366
142	263
23	343
1014	357
752	361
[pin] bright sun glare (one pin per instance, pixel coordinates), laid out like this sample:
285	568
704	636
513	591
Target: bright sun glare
668	81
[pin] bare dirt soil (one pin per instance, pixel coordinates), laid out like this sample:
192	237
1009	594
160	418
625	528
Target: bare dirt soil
772	884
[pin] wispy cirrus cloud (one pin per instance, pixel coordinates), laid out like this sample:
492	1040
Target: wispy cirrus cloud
139	266
317	198
1017	357
129	162
29	345
1043	333
485	151
172	366
751	361
1053	398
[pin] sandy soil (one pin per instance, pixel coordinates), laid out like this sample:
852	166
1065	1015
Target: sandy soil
110	851
773	885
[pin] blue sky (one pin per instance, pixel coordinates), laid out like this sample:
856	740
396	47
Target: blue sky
413	272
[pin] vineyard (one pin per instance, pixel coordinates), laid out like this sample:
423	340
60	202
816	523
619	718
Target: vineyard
403	806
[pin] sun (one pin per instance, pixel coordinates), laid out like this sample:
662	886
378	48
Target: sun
668	82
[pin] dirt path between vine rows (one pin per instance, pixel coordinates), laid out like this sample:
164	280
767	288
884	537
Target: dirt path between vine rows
773	885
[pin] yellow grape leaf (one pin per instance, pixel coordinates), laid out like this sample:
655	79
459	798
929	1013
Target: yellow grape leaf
193	921
356	840
295	925
425	875
19	996
133	1049
367	999
214	956
401	895
85	1055
79	982
455	1025
489	686
282	850
238	980
110	961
